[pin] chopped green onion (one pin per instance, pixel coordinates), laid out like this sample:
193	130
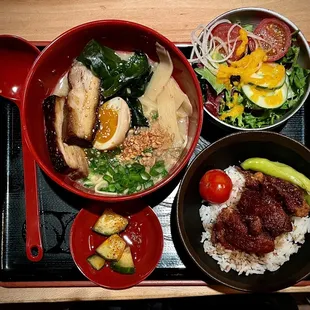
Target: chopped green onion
117	177
111	171
148	150
118	188
122	178
88	184
135	177
145	176
108	178
148	184
137	167
111	188
132	190
154	173
121	170
155	115
124	181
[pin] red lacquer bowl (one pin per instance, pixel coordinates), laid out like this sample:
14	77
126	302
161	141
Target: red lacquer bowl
56	59
143	234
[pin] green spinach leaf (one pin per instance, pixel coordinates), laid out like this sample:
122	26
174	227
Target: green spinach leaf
101	60
136	67
137	117
136	87
127	79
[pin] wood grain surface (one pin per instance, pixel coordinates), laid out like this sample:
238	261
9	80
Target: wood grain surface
19	295
38	20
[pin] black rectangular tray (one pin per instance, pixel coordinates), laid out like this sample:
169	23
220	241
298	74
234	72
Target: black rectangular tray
59	207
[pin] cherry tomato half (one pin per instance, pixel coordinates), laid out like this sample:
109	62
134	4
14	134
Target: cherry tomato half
221	31
277	33
215	186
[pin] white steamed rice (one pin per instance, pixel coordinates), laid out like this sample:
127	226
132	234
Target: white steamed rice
285	245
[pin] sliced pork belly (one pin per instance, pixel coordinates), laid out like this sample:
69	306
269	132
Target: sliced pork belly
81	107
65	158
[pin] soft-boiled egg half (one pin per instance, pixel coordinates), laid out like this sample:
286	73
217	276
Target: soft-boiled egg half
114	118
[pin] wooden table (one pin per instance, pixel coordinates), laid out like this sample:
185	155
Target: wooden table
61	294
44	20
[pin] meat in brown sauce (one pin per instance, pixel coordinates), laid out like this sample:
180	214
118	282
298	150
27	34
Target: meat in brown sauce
80	121
270	212
262	213
291	196
232	232
65	158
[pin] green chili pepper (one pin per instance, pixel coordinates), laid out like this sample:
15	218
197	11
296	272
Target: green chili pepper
278	170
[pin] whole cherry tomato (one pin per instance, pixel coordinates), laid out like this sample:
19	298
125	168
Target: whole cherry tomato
215	186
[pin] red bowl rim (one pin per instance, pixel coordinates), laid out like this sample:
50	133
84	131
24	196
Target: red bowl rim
185	159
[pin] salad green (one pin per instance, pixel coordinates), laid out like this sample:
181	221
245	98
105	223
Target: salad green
253	116
254	105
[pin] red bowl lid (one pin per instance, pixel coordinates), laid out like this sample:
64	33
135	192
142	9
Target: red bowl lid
143	234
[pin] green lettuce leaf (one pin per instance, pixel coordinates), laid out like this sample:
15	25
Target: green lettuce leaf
248	27
291	56
248	120
211	78
297	77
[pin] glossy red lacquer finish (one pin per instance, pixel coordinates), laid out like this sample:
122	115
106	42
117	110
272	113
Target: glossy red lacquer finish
16	59
143	234
56	59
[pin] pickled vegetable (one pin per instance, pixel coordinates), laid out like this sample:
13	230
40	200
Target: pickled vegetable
110	223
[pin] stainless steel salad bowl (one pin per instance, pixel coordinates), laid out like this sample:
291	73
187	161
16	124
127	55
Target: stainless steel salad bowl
253	15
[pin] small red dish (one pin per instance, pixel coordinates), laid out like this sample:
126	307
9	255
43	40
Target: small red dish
143	234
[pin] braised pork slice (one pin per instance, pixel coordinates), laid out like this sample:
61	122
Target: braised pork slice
252	180
231	231
290	195
81	107
65	158
254	205
262	214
